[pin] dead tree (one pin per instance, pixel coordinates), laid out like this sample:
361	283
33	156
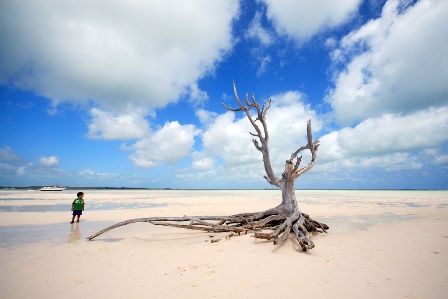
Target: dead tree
280	220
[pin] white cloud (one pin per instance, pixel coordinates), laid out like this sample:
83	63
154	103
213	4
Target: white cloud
105	125
203	164
396	63
441	159
287	123
264	62
113	52
303	18
51	161
437	157
388	162
331	42
386	135
256	31
197	96
392	162
97	175
264	39
170	144
229	138
384	143
205	116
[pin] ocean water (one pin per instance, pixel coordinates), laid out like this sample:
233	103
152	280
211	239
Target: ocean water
40	201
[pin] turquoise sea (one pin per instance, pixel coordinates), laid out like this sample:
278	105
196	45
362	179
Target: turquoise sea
40	201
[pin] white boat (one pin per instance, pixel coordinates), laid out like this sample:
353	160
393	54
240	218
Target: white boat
52	188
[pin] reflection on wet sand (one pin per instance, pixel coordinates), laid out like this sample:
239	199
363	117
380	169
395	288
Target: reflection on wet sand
344	224
65	207
75	233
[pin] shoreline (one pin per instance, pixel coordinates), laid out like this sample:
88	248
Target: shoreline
71	188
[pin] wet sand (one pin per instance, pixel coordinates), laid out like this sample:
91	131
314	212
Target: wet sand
390	244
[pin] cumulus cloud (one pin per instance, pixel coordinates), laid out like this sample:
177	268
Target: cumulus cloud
50	161
303	19
105	125
390	142
203	163
287	123
205	116
12	165
393	64
170	144
387	162
143	52
229	138
387	134
389	91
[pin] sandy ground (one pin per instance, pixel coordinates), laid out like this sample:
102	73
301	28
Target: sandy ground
380	245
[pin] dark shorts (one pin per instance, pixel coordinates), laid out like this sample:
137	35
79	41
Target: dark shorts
77	212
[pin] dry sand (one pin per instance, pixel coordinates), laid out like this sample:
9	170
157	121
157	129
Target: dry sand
380	244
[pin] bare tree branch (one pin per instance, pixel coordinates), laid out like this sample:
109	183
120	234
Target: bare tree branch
263	137
282	220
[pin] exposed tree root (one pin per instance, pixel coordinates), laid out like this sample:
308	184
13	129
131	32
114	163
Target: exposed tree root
275	219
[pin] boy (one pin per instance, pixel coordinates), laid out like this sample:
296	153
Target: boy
77	206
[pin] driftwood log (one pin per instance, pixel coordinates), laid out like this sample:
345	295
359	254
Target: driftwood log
281	220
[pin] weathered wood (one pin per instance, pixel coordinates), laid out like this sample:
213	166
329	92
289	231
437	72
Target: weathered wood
283	219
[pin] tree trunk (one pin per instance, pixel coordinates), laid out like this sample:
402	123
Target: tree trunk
288	196
281	220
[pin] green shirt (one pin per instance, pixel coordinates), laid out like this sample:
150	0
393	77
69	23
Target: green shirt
78	204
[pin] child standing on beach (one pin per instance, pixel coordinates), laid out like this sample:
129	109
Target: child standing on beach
78	206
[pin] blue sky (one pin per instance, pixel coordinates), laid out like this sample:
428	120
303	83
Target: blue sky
130	93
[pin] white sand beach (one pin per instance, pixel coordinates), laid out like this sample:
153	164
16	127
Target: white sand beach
381	244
